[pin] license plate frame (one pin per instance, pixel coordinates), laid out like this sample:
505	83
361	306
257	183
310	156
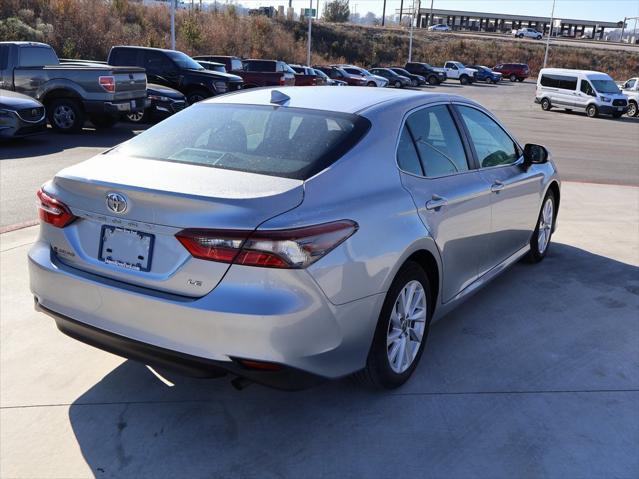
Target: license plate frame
104	254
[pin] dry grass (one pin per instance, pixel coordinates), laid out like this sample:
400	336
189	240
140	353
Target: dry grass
88	28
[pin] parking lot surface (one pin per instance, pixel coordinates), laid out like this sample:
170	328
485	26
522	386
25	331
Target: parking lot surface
599	150
536	376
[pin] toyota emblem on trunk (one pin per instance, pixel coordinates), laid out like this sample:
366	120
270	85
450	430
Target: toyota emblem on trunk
116	202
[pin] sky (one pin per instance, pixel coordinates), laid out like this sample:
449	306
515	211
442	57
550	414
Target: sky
604	10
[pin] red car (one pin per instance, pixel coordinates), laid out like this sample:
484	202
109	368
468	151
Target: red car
513	71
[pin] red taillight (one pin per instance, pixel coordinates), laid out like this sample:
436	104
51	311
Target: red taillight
53	211
282	80
261	365
108	83
294	248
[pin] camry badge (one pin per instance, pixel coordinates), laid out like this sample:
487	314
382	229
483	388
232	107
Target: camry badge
116	202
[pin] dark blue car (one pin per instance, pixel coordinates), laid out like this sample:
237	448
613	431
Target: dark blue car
485	74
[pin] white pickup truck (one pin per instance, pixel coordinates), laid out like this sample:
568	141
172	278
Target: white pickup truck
631	89
457	71
528	33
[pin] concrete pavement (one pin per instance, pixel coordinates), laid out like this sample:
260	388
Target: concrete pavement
536	376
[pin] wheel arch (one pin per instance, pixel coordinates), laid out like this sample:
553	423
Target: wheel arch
429	264
554	188
58	93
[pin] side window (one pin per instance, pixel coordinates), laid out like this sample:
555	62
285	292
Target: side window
438	143
4	56
629	84
492	145
156	62
568	83
407	158
586	88
125	57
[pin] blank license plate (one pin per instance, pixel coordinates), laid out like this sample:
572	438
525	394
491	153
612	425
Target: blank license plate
126	248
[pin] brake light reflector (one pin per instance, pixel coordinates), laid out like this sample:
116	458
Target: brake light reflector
282	80
291	249
53	211
108	83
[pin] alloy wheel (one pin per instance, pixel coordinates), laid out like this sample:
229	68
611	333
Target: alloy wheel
545	226
64	117
632	109
136	117
406	326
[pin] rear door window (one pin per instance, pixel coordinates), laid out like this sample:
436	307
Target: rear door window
285	142
437	140
125	57
37	56
407	157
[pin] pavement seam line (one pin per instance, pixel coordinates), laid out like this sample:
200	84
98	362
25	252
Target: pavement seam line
462	393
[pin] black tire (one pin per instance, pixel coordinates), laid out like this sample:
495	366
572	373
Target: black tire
432	80
592	111
103	121
413	83
197	95
513	77
65	115
520	80
545	104
632	109
378	372
534	255
538	37
464	80
398	84
371	83
521	35
138	117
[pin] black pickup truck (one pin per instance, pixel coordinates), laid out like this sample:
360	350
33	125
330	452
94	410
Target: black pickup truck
176	70
71	92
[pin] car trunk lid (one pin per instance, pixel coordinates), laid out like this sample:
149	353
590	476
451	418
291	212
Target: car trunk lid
162	198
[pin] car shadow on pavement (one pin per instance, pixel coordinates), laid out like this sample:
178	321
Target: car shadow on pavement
51	142
508	382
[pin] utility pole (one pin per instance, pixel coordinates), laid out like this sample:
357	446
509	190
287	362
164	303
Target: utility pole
430	17
173	24
623	29
310	18
384	13
552	21
401	9
410	38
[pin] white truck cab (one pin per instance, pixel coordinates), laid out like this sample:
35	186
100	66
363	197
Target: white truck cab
630	88
458	71
593	92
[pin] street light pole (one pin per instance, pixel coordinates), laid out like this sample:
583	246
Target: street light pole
552	20
173	24
310	17
410	38
430	17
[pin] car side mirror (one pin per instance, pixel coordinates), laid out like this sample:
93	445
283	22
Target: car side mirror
534	154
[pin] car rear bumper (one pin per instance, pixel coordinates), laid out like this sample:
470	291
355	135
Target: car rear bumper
115	107
185	364
260	314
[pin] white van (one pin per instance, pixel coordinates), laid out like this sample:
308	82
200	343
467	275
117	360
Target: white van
593	92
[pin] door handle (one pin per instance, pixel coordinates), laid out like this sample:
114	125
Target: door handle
436	203
497	186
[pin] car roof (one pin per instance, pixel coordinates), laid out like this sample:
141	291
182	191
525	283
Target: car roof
25	44
571	71
344	100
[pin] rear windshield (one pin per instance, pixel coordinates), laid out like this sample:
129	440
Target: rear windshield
269	140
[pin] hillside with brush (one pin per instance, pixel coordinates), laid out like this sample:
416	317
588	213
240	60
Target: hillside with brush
88	28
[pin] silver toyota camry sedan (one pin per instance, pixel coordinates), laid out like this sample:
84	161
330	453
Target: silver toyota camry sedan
285	236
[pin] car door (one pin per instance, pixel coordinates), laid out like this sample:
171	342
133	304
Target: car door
514	190
160	69
452	198
451	70
584	95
